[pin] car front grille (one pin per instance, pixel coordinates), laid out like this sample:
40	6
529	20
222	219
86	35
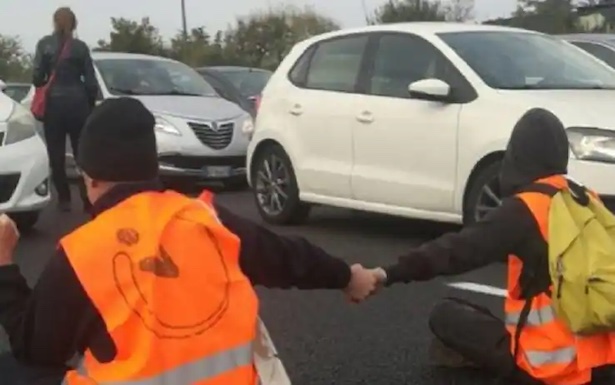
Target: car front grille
8	184
215	136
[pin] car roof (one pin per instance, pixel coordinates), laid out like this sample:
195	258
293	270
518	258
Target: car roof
99	55
605	38
421	28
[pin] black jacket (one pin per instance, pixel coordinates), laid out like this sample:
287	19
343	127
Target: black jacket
75	81
538	148
49	324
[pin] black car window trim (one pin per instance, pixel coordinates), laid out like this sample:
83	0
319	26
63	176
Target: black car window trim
463	92
308	55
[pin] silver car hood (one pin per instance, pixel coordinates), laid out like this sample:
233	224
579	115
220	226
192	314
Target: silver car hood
192	107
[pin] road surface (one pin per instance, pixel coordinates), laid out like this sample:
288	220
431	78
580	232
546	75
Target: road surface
322	338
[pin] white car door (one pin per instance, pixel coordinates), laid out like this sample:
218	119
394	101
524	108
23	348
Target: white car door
321	115
405	149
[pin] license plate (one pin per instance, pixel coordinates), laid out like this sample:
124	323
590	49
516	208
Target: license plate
217	171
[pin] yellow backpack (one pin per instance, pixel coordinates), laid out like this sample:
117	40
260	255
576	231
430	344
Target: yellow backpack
582	261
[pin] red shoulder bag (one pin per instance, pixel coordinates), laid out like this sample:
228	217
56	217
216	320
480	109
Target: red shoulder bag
39	102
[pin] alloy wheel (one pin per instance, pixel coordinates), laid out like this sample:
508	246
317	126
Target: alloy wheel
271	185
488	199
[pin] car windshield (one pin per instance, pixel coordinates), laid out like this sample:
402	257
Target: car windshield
17	92
523	60
248	82
152	77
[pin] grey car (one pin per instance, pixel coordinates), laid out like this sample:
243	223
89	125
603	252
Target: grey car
201	136
601	45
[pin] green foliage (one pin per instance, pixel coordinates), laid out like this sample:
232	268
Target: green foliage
14	61
397	11
131	36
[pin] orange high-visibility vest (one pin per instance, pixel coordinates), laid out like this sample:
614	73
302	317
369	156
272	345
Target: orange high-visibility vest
165	276
548	350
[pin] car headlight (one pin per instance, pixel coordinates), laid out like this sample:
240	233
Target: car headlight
166	127
20	126
592	144
247	128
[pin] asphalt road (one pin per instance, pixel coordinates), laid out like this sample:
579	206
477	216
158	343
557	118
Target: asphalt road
322	338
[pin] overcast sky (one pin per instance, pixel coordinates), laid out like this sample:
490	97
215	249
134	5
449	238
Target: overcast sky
31	19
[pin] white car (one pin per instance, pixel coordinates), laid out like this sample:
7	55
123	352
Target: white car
412	119
24	168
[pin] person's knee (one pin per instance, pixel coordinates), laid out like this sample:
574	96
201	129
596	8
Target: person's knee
441	317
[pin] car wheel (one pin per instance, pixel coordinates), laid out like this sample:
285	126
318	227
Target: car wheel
275	188
484	193
25	220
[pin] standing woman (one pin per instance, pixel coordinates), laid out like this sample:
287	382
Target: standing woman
71	95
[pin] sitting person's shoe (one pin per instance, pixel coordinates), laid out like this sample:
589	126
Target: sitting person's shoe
442	356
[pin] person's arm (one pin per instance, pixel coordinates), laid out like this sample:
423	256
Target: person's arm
89	77
49	324
482	243
277	261
40	64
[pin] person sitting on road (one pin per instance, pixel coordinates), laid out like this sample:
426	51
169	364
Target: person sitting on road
468	335
157	288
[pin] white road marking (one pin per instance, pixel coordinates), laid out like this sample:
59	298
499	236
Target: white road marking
478	288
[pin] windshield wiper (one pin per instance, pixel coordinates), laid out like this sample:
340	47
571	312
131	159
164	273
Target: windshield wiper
557	87
174	92
124	91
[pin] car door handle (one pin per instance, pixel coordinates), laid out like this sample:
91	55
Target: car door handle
296	110
365	117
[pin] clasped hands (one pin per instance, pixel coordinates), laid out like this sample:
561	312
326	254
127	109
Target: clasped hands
364	282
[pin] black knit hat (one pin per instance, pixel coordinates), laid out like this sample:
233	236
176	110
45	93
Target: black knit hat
118	143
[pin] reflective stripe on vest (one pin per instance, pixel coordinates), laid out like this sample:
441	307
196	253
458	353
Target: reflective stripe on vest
200	370
536	317
560	356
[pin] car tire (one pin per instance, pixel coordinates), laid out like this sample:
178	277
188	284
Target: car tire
293	211
25	220
486	176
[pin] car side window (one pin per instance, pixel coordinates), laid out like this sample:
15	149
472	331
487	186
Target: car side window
336	64
402	59
605	54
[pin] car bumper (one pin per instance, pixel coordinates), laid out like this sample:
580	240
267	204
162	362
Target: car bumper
24	176
202	168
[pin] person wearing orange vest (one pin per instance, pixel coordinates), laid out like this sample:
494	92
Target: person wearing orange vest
157	289
532	171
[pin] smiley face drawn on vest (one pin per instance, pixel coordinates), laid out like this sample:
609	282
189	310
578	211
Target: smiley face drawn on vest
128	270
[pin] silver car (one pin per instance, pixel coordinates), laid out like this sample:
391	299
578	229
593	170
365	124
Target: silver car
201	136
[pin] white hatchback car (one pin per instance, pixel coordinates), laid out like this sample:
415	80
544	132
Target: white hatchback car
24	168
412	119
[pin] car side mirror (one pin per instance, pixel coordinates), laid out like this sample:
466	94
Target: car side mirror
430	89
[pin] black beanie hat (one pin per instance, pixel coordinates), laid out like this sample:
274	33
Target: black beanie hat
118	143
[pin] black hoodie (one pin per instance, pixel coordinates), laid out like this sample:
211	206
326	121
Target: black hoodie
538	148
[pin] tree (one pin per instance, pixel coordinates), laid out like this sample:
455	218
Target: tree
459	10
192	49
263	39
131	36
397	11
549	16
15	63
